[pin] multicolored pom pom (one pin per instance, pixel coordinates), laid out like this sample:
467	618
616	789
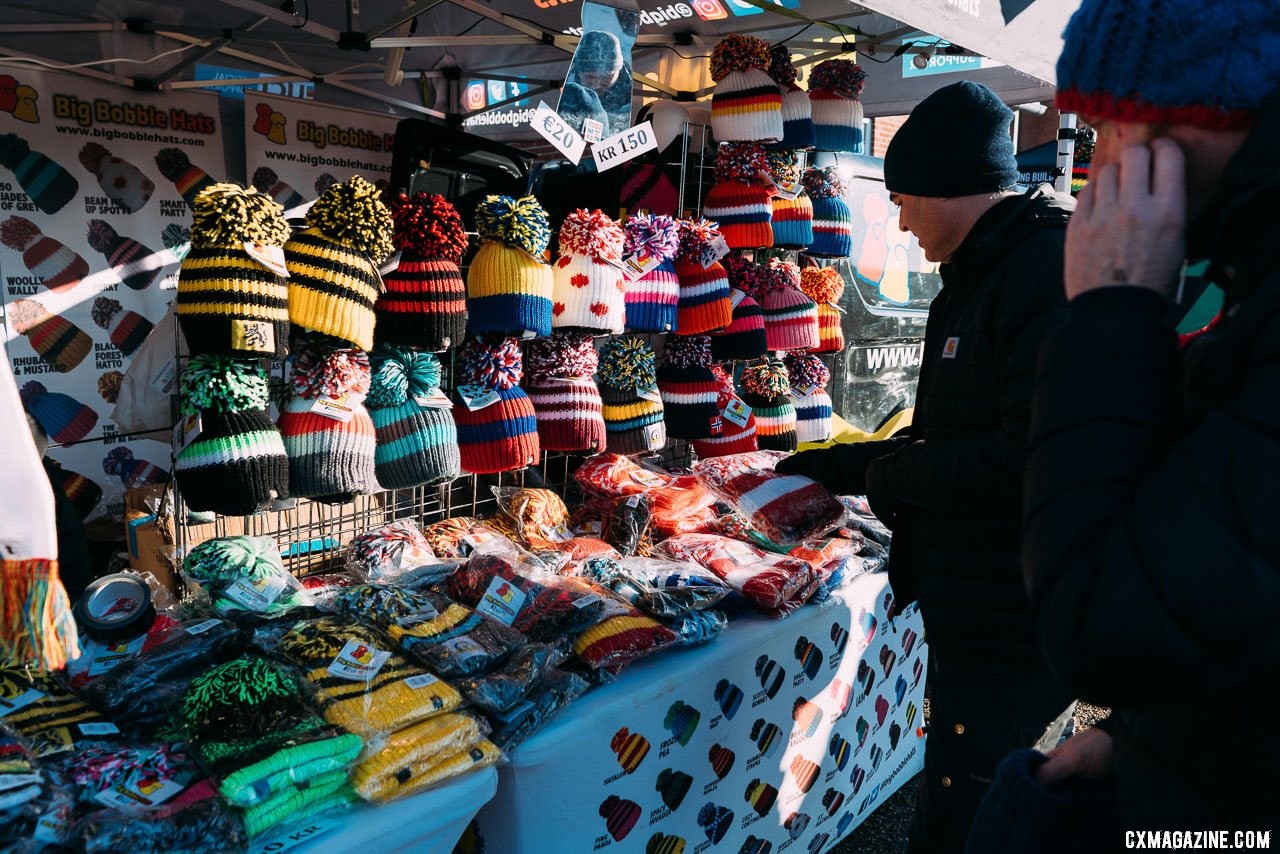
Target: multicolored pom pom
807	370
322	372
627	363
696	235
229	216
653	236
766	380
564	354
844	77
493	364
823	183
687	351
520	223
592	233
740	161
353	214
738	53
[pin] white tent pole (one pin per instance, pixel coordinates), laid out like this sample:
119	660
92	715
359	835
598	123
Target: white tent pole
239	54
403	18
1066	152
56	65
386	99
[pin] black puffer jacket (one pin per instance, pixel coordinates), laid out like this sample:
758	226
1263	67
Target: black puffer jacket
952	490
1152	544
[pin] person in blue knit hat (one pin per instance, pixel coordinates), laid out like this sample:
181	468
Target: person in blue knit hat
1152	553
951	489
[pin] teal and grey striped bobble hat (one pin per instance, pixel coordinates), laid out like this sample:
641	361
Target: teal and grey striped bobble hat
236	463
417	439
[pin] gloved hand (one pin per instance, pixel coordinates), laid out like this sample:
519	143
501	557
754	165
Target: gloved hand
840	468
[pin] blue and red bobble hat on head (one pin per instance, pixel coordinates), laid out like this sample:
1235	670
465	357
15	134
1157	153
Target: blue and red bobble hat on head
502	436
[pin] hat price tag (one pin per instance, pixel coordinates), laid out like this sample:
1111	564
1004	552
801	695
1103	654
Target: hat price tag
186	431
107	656
551	127
259	595
333	407
436	400
421	681
477	397
624	146
271	257
653	435
636	267
736	412
789	190
592	130
804	391
358	662
713	253
650	394
501	601
836	306
139	794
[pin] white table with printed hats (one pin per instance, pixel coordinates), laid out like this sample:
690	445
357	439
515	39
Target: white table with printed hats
781	734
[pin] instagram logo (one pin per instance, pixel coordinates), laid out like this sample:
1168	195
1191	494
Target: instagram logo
473	96
709	10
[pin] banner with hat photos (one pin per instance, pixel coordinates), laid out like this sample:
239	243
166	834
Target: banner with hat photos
295	150
95	185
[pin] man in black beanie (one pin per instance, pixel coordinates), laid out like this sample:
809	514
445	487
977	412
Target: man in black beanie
951	489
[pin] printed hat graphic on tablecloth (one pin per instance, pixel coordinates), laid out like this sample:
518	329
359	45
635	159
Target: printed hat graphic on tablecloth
127	329
134	264
834	87
766	390
502	436
911	713
630	749
688	388
721	759
832	799
771	675
682	721
56	340
882	709
840	750
588	290
189	180
729	696
633	423
715	821
841	692
57	265
887	659
672	786
620	815
83	493
867	622
740	200
558	375
797	114
265	180
895	733
661	843
417	443
229	303
832	219
877	753
177	239
333	262
124	183
746	104
761	796
755	845
48	185
899	690
805	772
767	736
809	656
733	438
887	603
866	678
842	826
908	641
509	287
651	300
863	729
796	824
825	286
807	715
704	304
840	635
917	670
132	472
856	777
424	303
63	418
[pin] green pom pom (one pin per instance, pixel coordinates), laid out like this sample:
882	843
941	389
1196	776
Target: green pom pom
223	384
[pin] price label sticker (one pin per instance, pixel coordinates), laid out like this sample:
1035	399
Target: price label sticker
788	190
102	728
186	431
624	146
653	435
139	794
436	400
163	380
736	412
477	397
552	128
805	391
636	267
422	681
271	257
358	661
587	601
201	628
651	394
333	407
107	656
592	130
256	595
713	253
501	600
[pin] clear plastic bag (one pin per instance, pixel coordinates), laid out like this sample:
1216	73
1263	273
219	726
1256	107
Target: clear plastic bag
698	627
680	504
665	589
628	524
398	768
245	574
196	821
773	582
133	778
385	554
785	508
505	687
557	689
99	657
52	720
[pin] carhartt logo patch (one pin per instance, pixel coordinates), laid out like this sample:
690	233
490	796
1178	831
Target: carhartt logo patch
949	349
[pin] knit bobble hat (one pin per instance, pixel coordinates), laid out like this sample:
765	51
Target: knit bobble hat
236	464
744	338
135	264
633	412
124	183
132	472
63	418
230	304
766	389
333	263
508	286
790	317
265	180
502	435
46	183
417	440
588	289
834	87
59	267
651	300
746	104
558	376
797	115
825	285
734	438
688	388
327	430
425	303
740	201
127	329
792	219
832	220
56	340
704	304
189	180
809	377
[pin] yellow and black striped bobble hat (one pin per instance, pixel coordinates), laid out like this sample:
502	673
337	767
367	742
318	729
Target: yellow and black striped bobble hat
229	303
333	263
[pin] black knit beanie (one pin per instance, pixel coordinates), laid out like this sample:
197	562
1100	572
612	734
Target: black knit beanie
956	142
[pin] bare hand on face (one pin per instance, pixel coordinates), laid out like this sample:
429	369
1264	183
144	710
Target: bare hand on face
1129	223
